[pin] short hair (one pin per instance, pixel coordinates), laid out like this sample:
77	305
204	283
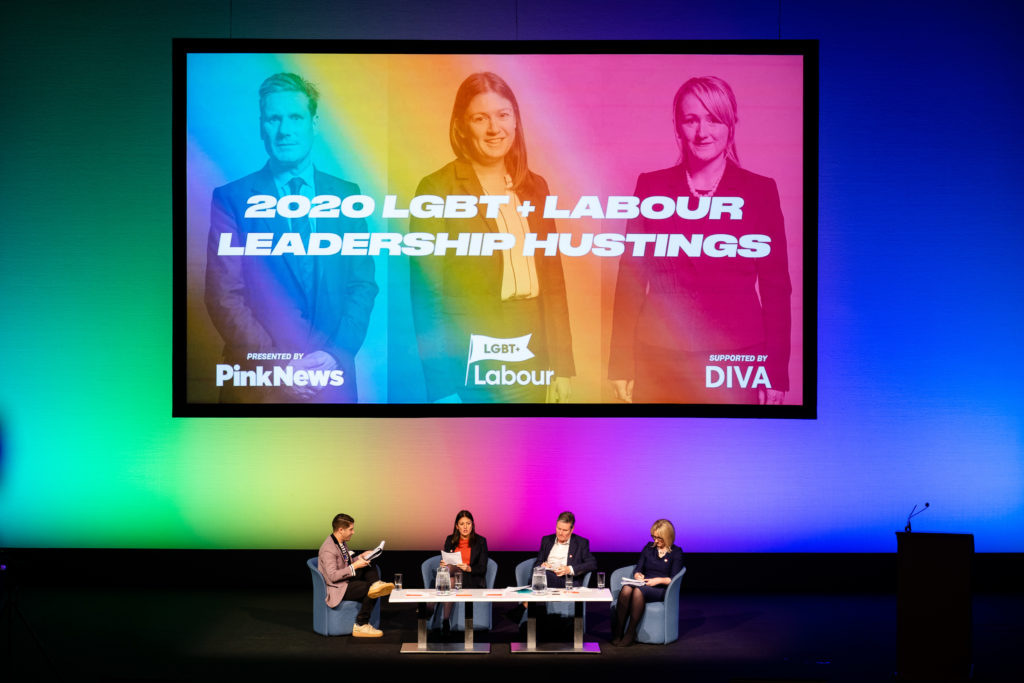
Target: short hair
342	521
475	84
718	98
568	518
288	82
664	528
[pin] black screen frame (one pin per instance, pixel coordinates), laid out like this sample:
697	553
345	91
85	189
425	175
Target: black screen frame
808	49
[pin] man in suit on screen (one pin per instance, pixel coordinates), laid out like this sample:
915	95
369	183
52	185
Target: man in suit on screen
279	314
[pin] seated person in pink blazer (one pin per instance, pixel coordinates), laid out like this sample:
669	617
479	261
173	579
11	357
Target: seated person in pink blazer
349	576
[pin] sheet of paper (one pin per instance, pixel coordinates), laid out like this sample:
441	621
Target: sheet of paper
375	553
453	559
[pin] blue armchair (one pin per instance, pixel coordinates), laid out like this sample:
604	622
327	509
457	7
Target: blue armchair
335	621
481	610
524	577
660	622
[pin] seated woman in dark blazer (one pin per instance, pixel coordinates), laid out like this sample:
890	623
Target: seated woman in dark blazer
659	561
473	548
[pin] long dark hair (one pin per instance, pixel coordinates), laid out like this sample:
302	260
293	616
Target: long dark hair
485	81
453	540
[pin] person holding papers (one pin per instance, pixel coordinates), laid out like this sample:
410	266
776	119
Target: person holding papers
659	561
563	552
471	549
349	576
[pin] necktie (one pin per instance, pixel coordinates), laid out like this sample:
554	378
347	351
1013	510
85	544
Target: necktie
301	225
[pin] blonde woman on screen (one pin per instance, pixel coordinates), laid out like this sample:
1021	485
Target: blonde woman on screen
674	317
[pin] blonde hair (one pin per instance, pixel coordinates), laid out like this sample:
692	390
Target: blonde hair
718	98
664	528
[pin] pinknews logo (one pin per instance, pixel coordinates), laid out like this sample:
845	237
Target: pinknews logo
277	376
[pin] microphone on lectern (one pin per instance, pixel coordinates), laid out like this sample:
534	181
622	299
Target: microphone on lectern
914	513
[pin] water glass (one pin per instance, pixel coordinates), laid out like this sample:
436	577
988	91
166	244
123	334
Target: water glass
600	579
457	581
568	582
398	582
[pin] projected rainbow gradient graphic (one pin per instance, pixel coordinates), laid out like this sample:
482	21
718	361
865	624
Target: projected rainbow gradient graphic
592	124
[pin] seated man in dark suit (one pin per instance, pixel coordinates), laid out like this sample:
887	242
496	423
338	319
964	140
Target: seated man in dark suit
561	553
564	553
349	576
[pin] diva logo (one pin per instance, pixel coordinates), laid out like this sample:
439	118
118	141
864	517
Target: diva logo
513	350
742	375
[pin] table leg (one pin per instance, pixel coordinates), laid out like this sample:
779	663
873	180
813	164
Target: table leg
531	633
421	645
577	626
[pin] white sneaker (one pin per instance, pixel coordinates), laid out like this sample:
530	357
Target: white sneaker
379	589
366	631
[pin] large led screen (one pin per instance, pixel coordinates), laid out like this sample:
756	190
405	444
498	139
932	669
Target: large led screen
367	228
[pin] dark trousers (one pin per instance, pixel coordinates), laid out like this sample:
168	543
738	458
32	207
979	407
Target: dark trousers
358	590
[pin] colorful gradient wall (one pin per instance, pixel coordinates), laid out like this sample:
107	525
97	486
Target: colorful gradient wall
920	311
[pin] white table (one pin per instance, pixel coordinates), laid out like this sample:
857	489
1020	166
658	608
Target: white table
578	596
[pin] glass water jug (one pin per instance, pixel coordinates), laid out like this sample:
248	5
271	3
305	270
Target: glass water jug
540	579
443	583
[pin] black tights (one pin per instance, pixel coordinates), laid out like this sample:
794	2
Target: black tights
631	604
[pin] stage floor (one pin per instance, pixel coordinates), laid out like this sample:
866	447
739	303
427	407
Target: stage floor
184	634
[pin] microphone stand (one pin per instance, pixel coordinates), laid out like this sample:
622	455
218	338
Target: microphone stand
914	513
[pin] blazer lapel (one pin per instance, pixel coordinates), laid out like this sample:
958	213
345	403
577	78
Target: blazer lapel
469	184
264	184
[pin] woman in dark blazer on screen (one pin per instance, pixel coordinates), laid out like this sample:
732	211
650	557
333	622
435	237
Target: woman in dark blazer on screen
503	295
659	561
672	313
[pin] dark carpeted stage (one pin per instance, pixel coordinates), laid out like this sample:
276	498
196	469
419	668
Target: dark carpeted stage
199	615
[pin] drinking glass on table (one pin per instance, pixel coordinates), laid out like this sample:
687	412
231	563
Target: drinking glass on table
600	579
457	581
398	582
568	582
